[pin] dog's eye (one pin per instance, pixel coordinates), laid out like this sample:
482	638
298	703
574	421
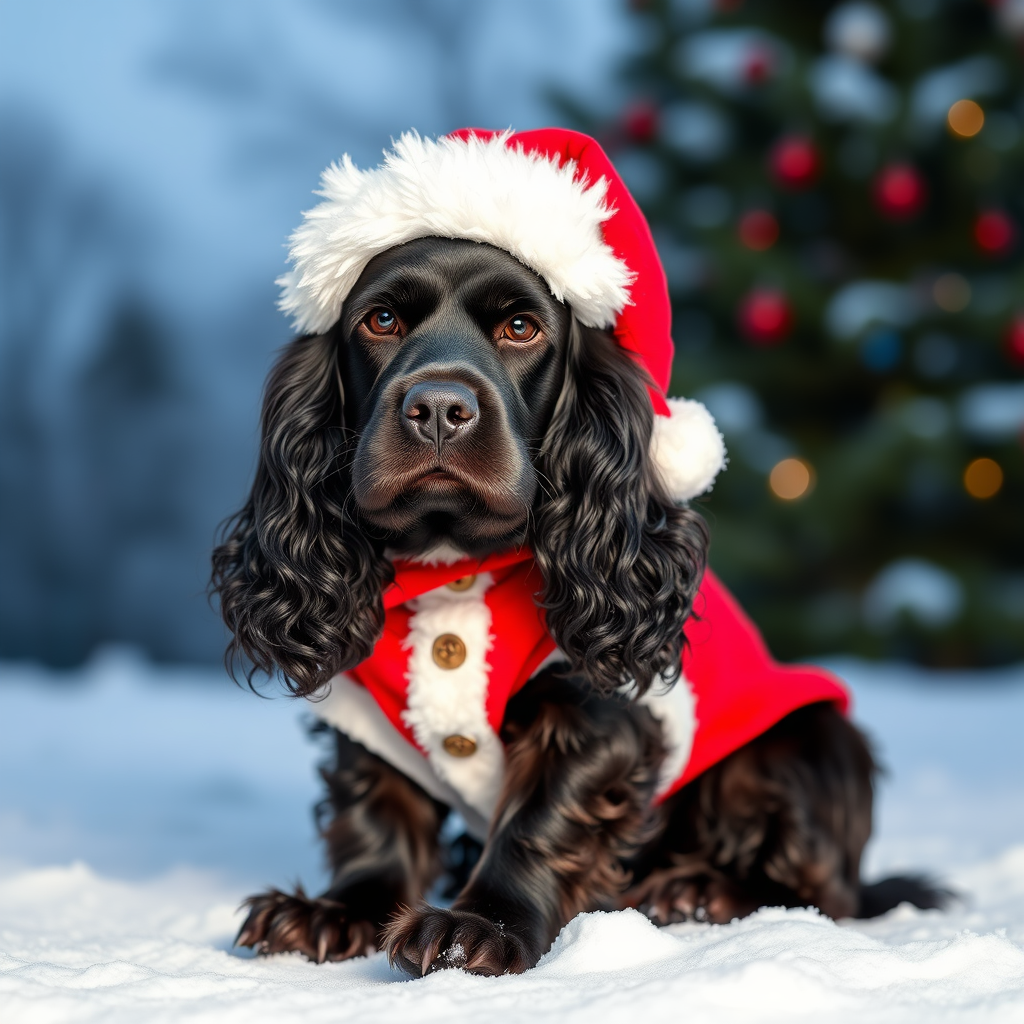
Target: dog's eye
382	321
520	328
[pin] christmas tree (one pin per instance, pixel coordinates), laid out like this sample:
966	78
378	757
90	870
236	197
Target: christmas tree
837	191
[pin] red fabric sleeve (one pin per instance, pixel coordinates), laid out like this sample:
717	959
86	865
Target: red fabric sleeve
740	689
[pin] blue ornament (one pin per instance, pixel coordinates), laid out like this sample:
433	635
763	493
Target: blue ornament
881	349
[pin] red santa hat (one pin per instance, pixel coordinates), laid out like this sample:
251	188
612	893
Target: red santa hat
552	199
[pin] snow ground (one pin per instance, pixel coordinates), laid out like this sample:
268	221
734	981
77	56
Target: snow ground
138	805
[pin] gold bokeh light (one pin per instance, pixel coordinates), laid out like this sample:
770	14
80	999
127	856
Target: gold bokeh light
983	478
790	479
965	118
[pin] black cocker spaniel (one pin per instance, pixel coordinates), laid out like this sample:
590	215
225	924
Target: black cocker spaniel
459	410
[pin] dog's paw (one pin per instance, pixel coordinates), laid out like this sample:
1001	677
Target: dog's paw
673	902
427	939
318	928
668	898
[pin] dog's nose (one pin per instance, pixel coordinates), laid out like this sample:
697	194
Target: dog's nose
437	410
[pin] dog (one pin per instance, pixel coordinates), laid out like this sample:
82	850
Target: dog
458	439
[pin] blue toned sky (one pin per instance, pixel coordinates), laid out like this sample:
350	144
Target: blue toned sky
215	119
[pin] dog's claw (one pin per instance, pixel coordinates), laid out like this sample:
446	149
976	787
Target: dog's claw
319	929
427	959
426	940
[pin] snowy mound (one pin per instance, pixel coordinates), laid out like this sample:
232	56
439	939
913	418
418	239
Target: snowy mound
158	771
80	948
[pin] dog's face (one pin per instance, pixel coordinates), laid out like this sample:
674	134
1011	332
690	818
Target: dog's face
457	401
453	356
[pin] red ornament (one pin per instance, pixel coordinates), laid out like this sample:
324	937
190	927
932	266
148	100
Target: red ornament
1015	340
759	65
900	191
758	230
640	121
994	232
765	316
795	162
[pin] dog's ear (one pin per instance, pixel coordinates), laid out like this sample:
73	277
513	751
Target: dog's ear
299	583
621	562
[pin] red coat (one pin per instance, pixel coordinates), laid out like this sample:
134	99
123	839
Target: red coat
404	702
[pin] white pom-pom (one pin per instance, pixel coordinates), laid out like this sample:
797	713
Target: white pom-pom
688	449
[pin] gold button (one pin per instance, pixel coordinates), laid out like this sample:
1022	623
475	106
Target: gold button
449	651
459	746
462	583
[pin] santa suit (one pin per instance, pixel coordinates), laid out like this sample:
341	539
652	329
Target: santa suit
460	639
432	697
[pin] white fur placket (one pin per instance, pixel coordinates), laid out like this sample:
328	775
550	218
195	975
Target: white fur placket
442	702
445	702
676	712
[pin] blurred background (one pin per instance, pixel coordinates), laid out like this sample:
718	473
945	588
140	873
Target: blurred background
836	191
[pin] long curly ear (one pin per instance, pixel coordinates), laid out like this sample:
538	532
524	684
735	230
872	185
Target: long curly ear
621	563
299	583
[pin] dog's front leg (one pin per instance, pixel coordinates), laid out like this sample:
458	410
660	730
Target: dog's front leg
580	777
381	835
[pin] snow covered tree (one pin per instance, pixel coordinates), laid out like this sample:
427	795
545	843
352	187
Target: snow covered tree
92	414
836	193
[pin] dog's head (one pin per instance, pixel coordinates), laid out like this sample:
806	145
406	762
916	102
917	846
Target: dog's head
456	402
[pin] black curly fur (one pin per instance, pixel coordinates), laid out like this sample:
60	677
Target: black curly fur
299	581
621	563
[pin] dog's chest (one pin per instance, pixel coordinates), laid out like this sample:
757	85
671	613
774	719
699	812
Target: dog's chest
431	698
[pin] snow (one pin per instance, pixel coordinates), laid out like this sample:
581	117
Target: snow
845	90
993	412
914	586
936	91
722	57
139	804
699	131
856	305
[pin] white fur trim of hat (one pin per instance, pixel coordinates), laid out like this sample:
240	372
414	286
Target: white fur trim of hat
479	189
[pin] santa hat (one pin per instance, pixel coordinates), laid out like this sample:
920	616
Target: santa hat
553	200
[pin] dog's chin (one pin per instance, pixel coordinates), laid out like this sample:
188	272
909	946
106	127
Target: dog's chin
439	511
